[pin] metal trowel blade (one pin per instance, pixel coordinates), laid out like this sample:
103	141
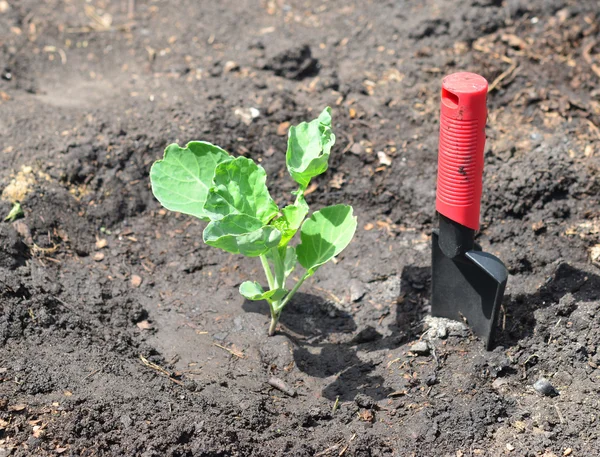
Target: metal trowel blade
468	288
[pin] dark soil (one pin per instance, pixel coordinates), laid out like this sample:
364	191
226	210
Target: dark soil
123	335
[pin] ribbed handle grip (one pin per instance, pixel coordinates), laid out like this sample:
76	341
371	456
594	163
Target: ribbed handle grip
462	140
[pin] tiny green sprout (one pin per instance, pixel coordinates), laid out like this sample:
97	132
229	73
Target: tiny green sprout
231	194
15	212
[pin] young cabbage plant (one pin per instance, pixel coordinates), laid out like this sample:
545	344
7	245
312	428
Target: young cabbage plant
231	194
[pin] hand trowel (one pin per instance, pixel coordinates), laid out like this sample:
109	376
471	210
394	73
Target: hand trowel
467	284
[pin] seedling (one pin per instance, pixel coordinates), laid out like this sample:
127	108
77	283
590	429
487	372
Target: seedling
15	212
230	193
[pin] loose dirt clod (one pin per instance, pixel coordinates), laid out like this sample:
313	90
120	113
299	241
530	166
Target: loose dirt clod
420	348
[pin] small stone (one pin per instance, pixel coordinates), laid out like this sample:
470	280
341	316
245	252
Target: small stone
544	387
247	115
356	149
220	336
568	451
98	256
384	159
229	66
4	6
136	281
420	348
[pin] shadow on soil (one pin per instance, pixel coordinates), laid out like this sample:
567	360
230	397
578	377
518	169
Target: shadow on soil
520	310
314	319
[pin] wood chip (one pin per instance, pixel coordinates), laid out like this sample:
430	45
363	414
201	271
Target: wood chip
18	407
136	281
282	386
282	129
311	189
144	325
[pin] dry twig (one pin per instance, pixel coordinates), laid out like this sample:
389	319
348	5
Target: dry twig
160	369
231	351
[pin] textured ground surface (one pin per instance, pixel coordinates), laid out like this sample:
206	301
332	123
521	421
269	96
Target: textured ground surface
121	334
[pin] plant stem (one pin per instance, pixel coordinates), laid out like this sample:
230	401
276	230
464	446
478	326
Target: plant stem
276	281
279	268
279	306
267	268
274	320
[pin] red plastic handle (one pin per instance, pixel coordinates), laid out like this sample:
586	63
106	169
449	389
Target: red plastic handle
462	140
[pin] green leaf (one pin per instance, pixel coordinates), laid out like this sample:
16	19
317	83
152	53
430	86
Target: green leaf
324	235
254	291
181	180
15	212
289	223
309	146
241	234
240	188
295	214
